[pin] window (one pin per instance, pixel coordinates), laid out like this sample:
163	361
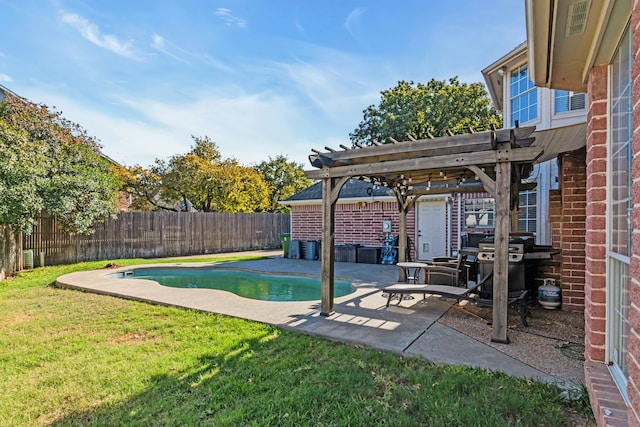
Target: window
523	95
566	101
479	212
527	207
619	208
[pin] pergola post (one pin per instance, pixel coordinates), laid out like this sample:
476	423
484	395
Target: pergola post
402	235
405	204
501	245
330	191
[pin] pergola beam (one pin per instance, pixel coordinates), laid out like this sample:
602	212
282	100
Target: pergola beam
479	141
425	163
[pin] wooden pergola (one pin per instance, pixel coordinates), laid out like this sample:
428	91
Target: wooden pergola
493	161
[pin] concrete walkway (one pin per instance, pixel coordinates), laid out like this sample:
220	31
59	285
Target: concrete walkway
361	318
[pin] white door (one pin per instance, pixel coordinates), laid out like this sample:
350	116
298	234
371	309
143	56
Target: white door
432	230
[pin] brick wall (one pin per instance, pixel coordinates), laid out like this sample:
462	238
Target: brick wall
358	222
595	251
573	180
567	215
633	388
553	268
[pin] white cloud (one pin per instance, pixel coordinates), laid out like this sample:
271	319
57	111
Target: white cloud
5	78
160	44
137	130
353	20
249	127
179	54
229	19
338	84
91	32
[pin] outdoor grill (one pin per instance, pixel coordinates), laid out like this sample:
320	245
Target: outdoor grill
523	261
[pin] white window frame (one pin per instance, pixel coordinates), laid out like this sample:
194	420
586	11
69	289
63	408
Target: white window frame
480	207
523	210
617	264
522	95
570	96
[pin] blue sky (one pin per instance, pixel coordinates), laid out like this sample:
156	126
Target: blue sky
259	77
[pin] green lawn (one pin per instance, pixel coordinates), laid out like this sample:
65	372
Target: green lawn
74	358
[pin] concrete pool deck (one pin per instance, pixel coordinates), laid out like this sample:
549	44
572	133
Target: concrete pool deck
361	318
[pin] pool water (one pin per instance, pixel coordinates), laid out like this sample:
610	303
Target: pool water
259	286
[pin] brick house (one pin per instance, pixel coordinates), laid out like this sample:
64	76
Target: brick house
590	46
560	116
361	210
462	218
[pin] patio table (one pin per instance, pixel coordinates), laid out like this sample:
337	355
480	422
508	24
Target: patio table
412	270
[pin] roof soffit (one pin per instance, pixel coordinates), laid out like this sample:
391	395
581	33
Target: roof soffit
559	61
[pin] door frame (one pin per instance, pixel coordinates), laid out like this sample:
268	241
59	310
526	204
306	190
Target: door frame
443	199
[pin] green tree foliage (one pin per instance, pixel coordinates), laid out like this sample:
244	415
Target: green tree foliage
144	186
420	109
284	179
201	179
49	164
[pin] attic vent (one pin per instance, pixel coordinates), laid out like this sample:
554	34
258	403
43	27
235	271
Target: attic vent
577	17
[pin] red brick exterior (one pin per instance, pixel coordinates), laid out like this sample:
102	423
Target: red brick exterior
573	181
595	276
603	393
602	390
357	222
567	215
633	388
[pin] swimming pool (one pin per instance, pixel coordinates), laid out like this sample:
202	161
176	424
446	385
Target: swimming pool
244	283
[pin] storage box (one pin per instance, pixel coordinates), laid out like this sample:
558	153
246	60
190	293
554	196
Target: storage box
346	253
369	254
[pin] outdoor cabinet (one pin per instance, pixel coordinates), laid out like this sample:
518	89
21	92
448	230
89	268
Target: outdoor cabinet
368	254
346	253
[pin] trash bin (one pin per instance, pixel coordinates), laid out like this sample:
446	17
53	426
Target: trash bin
285	238
295	249
312	250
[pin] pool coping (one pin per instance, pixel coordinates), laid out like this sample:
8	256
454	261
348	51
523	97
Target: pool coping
206	300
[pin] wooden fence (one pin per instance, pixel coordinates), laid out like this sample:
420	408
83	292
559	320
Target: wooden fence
157	234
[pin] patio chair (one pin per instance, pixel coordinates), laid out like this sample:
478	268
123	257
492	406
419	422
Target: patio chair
447	271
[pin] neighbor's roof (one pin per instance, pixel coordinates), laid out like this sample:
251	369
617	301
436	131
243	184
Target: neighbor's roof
352	189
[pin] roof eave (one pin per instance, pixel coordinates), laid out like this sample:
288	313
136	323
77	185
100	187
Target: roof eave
561	61
494	79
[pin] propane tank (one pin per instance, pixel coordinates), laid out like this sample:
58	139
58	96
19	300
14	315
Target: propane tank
549	295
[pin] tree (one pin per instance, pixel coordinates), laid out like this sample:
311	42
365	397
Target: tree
424	109
201	178
283	178
144	186
51	165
